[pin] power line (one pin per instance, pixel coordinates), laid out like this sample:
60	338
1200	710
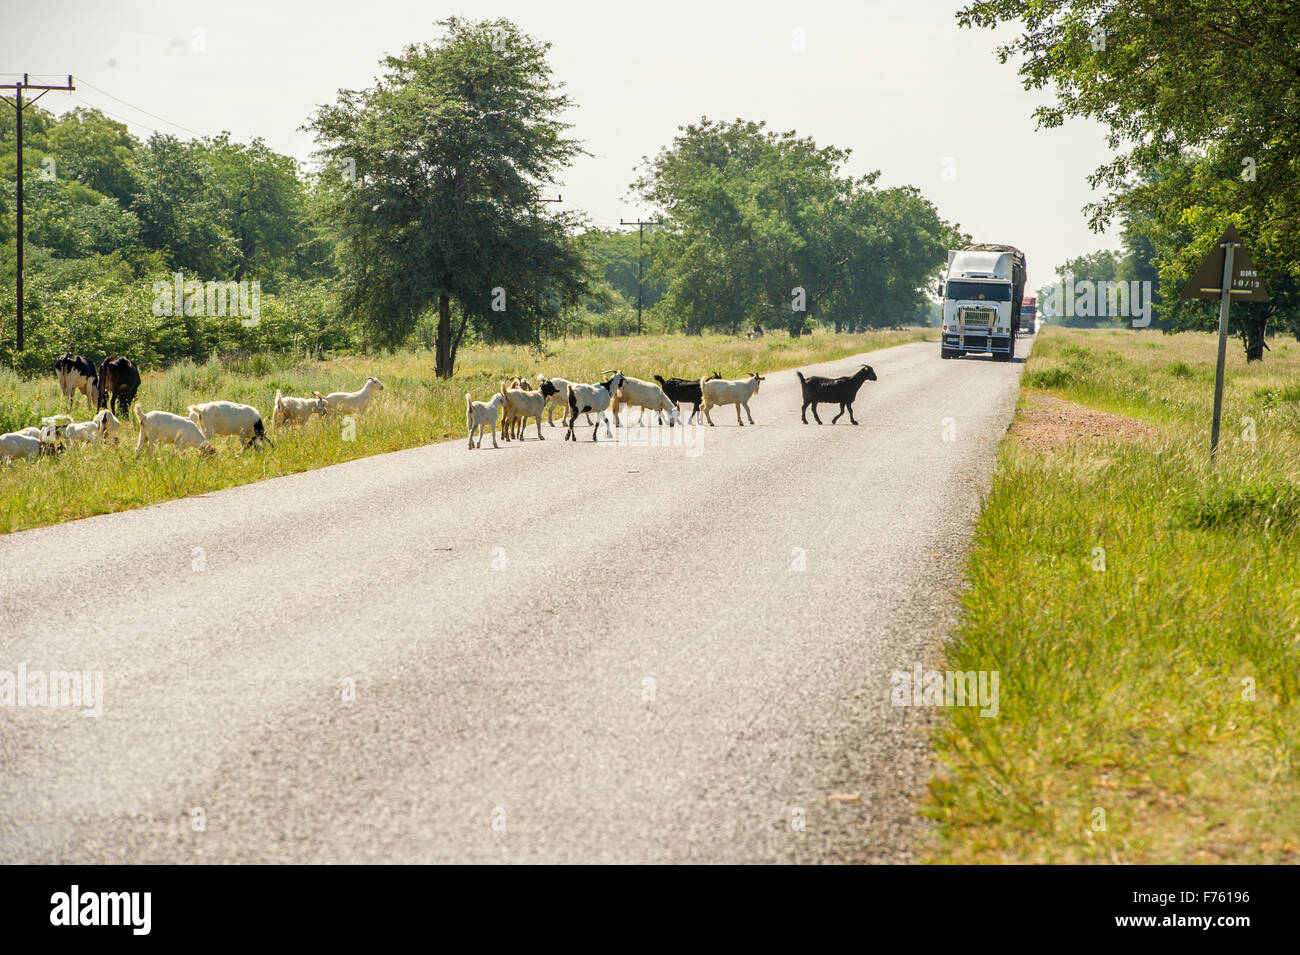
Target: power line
640	258
192	132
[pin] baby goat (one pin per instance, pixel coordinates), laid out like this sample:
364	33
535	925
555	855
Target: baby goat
833	391
483	414
103	425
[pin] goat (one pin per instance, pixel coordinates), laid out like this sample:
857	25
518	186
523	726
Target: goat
103	425
636	393
18	445
354	402
290	410
557	396
229	418
682	390
593	398
833	391
76	373
163	427
717	392
119	380
521	404
483	414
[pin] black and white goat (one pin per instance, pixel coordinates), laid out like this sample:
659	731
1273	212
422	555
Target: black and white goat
594	399
833	391
682	390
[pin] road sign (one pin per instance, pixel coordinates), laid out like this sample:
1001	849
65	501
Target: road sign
1207	282
1228	275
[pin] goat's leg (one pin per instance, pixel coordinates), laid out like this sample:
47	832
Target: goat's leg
738	421
803	412
471	436
852	420
815	414
840	415
599	415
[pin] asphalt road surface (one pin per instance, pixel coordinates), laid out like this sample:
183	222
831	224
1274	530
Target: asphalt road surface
549	652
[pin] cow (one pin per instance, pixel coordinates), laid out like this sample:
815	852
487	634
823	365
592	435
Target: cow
77	373
118	382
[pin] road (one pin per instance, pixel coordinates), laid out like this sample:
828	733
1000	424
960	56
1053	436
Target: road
545	653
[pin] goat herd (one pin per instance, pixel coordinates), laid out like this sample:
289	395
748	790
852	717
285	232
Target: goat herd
518	401
112	388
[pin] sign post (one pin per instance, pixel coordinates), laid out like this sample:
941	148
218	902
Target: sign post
1226	272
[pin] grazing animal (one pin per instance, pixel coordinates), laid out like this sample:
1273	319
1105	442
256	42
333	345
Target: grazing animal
77	374
119	380
103	425
289	410
18	445
521	404
557	396
720	391
229	418
32	432
163	427
595	399
636	393
354	402
682	390
483	414
833	391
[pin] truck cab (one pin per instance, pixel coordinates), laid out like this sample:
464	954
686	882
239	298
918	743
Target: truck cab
982	294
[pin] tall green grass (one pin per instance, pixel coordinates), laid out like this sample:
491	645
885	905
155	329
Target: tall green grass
415	408
1142	606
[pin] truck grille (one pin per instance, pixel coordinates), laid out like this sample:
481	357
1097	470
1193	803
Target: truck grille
980	317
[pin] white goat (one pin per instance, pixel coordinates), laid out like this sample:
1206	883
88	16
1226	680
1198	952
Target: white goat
483	414
520	405
163	427
719	391
594	399
32	432
103	425
229	418
636	393
353	402
18	445
290	410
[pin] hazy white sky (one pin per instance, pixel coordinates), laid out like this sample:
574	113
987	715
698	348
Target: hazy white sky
894	80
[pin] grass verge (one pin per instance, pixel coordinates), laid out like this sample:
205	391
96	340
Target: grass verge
1142	608
414	409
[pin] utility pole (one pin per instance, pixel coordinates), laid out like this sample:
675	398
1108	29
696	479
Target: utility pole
640	245
19	106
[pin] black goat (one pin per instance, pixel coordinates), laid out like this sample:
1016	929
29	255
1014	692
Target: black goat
681	390
833	391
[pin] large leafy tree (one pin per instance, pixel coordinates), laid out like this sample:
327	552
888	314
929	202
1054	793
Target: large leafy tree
1202	103
431	183
763	227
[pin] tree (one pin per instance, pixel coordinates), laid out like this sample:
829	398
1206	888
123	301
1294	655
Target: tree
430	184
1200	99
762	227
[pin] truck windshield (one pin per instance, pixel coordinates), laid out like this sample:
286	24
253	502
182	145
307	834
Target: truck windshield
979	291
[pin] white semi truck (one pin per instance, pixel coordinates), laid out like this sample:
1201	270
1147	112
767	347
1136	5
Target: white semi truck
982	293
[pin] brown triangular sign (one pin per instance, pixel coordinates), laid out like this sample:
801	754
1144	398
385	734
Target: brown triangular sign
1207	282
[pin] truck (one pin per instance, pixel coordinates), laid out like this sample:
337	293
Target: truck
1029	315
982	295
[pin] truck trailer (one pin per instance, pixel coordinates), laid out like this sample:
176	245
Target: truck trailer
982	294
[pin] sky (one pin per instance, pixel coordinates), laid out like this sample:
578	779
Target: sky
896	81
